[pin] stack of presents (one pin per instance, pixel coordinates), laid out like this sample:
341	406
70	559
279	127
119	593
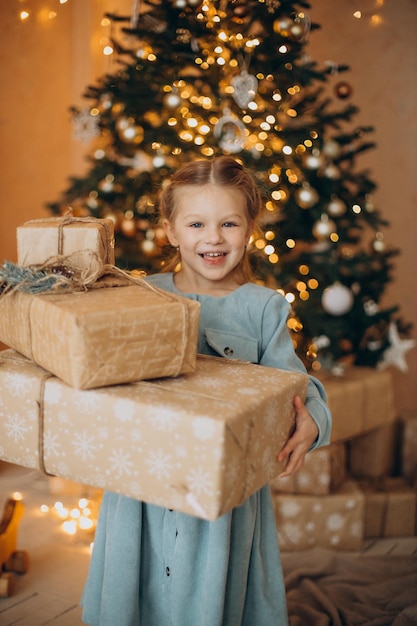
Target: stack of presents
102	385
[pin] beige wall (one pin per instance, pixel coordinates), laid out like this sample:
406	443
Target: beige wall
46	64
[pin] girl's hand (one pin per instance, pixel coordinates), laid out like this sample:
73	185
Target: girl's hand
300	442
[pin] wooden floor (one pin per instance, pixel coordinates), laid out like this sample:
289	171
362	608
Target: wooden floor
49	593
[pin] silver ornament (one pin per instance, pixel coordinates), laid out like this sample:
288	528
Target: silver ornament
337	299
230	133
245	87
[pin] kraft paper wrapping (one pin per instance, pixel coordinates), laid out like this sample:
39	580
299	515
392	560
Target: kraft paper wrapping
360	400
39	240
333	521
373	454
390	507
103	336
200	443
323	471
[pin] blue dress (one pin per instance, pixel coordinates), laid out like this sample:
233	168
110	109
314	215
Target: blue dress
157	567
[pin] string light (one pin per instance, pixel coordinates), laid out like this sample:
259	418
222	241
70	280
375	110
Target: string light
75	520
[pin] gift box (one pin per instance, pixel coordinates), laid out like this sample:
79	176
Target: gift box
390	507
373	454
200	443
360	400
105	335
42	239
323	471
333	521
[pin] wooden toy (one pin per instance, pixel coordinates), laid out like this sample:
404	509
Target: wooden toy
11	559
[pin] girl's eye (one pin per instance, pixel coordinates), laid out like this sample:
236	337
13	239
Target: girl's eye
196	225
229	224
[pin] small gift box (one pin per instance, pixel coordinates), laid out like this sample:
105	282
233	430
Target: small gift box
40	240
333	521
359	401
390	507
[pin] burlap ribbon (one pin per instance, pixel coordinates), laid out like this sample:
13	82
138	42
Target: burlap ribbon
21	360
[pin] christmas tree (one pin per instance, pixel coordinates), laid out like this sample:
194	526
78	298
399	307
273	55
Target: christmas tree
198	79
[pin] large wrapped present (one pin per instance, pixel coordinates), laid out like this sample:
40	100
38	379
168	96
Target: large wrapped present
103	336
360	400
323	471
42	239
200	443
390	507
333	521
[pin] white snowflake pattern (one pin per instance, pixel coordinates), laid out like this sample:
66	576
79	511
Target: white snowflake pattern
356	529
181	451
291	532
53	393
317	507
63	417
335	522
204	428
290	508
16	383
124	409
199	481
84	445
16	427
87	401
50	444
165	419
324	480
159	464
350	504
248	391
120	463
304	479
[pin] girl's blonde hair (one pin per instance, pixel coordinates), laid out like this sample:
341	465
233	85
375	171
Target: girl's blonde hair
223	171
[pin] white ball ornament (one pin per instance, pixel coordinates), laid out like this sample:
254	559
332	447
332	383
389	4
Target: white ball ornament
337	299
323	228
336	207
331	171
306	196
313	161
172	100
331	149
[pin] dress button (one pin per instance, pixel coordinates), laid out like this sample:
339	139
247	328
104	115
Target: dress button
228	351
167	571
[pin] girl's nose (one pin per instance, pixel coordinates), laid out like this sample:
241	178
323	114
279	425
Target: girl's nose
214	235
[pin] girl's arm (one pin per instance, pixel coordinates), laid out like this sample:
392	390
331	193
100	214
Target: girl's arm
313	419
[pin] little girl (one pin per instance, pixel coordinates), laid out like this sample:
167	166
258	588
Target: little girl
157	567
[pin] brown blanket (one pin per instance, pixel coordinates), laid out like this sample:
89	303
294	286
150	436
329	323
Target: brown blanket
327	588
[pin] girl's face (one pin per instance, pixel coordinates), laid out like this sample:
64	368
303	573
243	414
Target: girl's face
211	228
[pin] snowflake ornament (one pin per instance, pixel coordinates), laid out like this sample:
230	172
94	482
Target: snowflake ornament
85	125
